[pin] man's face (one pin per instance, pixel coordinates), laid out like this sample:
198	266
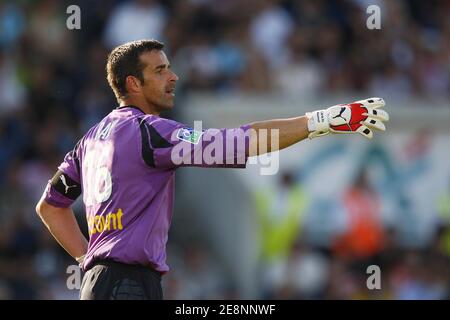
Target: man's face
159	80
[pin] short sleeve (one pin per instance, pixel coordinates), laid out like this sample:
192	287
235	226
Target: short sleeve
65	187
170	144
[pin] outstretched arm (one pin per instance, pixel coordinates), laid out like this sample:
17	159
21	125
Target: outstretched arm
361	116
289	132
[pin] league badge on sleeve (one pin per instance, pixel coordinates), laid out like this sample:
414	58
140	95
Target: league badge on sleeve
189	135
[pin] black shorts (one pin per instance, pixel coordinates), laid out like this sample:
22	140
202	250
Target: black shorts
110	280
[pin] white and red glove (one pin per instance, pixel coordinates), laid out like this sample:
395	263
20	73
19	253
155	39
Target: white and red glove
360	116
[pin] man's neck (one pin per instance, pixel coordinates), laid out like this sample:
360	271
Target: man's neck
141	105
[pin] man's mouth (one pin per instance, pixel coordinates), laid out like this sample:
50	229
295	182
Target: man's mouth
171	91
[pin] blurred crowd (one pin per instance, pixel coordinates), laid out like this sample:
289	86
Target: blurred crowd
53	88
365	258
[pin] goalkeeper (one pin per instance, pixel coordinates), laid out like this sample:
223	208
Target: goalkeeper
125	168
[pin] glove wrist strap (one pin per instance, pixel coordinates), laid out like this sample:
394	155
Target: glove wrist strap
318	123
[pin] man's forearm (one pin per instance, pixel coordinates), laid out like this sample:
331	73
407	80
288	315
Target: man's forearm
289	131
64	227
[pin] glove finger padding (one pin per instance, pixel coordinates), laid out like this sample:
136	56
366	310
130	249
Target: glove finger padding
374	124
365	131
377	114
372	102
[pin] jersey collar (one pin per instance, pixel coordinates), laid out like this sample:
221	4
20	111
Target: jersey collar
130	106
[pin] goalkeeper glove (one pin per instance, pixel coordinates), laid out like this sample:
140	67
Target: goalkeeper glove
360	116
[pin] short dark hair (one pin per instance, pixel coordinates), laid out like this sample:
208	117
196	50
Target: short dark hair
123	61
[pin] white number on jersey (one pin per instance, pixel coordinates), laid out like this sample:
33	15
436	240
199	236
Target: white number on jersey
98	184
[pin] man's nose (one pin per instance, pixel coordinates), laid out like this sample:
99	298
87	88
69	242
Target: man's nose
173	76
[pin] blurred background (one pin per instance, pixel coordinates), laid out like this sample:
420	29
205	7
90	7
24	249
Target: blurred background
337	204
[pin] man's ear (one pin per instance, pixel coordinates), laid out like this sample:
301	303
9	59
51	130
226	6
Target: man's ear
132	84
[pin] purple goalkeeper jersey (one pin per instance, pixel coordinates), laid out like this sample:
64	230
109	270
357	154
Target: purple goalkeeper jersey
124	167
